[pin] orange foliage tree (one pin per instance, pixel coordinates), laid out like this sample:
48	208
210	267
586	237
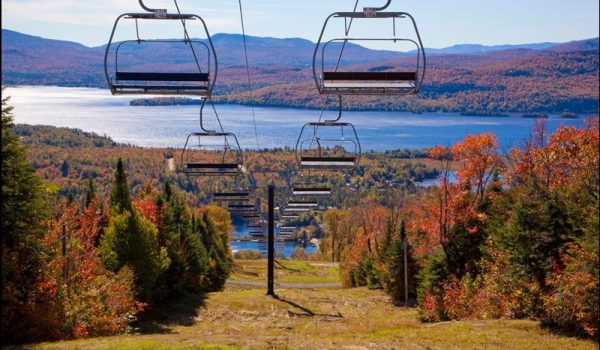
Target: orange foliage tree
93	301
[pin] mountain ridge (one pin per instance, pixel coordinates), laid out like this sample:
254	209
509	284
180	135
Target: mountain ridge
462	48
551	78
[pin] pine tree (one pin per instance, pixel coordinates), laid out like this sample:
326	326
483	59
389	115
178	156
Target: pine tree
131	240
64	168
22	212
395	260
119	196
90	194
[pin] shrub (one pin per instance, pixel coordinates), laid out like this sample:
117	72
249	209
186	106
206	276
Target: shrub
104	306
247	255
299	254
430	288
574	303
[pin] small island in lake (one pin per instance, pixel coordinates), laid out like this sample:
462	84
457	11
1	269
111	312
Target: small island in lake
165	101
484	114
569	115
535	116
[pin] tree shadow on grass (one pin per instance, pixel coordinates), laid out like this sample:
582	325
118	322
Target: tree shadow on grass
305	312
161	318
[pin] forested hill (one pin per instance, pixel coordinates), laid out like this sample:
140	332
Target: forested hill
546	77
40	135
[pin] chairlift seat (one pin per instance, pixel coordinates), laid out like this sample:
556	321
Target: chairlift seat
177	77
232	196
123	89
311	191
197	82
323	163
120	87
338	80
214	169
297	210
368	82
374	76
240	206
302	204
290	216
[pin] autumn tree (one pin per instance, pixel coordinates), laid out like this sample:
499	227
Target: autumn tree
90	300
338	233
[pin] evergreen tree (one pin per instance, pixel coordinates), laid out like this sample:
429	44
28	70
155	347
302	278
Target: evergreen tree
22	212
196	260
218	271
538	227
119	196
219	264
64	168
130	240
90	194
395	256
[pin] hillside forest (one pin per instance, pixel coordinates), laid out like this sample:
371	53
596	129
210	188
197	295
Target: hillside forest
500	235
562	78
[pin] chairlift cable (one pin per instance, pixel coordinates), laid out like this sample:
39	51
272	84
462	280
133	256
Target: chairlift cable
187	37
248	73
337	66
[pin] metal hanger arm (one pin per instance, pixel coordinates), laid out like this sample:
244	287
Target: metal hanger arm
146	8
376	9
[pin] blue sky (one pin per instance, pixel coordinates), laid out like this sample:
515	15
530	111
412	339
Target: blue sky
442	22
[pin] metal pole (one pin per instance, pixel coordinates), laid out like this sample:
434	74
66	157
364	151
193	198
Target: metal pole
64	251
271	242
405	273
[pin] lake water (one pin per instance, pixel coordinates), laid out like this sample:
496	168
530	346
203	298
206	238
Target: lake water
167	126
98	111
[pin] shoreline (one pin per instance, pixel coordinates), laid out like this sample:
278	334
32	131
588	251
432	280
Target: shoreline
463	112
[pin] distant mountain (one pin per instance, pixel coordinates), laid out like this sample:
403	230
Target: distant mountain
474	49
545	77
30	59
581	45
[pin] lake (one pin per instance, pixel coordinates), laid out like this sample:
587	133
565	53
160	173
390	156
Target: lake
98	111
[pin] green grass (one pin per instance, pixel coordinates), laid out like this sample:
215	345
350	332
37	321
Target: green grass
291	272
245	318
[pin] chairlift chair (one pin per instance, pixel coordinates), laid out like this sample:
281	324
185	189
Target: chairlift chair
328	145
302	204
241	207
223	144
290	216
251	216
236	196
254	226
299	203
330	79
136	79
297	210
310	191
